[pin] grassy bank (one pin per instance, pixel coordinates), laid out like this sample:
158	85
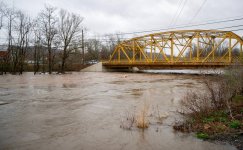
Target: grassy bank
215	121
217	112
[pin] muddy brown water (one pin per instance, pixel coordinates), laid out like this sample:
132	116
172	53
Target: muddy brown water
84	111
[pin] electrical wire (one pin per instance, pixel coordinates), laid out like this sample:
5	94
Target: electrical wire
198	11
177	27
177	11
227	27
183	6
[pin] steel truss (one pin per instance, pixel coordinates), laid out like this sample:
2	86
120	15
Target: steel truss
192	47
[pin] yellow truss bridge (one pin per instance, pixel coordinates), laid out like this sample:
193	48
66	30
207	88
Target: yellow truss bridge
184	48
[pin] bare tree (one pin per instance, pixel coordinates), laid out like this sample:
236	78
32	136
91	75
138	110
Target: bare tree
23	27
98	49
11	16
48	26
113	41
3	11
38	47
69	33
93	49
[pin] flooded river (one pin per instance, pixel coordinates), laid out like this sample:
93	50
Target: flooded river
84	111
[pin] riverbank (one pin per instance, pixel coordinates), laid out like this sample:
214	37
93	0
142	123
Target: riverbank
217	125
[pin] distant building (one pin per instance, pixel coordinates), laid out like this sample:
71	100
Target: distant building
3	48
3	51
3	54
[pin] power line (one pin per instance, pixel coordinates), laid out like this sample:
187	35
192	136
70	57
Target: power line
209	20
237	30
180	12
180	2
177	27
230	27
200	8
227	27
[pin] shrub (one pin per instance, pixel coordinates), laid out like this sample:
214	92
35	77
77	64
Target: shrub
129	120
195	104
141	118
218	94
235	124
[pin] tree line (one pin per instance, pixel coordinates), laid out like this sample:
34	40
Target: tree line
52	38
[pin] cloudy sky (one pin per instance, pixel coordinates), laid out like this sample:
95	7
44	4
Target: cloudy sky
113	16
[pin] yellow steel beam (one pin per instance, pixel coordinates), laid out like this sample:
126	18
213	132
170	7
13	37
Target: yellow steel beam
112	55
198	47
214	48
141	50
183	49
213	39
190	51
151	47
228	50
207	44
177	42
172	51
133	51
161	50
119	54
125	54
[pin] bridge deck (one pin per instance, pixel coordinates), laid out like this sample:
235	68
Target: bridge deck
165	65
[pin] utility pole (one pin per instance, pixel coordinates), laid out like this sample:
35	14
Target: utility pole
83	45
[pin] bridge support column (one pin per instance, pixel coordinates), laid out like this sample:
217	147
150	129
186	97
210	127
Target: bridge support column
119	55
172	51
213	40
151	49
133	69
133	51
191	50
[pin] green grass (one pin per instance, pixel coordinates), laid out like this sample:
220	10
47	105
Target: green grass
202	135
238	99
208	119
223	119
235	124
217	116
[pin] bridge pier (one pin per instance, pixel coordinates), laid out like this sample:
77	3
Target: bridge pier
133	69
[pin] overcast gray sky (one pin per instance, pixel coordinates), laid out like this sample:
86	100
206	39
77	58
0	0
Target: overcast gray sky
110	16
